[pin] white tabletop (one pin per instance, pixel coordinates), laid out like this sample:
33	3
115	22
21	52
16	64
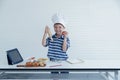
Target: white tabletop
87	64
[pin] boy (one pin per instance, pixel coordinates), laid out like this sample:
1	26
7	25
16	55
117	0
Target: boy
58	43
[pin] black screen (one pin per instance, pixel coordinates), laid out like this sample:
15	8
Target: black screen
14	56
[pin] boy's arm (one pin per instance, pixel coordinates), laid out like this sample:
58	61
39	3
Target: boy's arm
64	46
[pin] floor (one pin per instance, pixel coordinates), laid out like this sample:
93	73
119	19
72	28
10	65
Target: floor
48	76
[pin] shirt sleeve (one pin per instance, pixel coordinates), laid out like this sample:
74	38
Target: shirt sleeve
47	42
68	43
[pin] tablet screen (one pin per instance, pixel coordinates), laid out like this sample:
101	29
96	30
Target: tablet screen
14	56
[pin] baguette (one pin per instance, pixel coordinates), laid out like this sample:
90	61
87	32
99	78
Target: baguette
50	34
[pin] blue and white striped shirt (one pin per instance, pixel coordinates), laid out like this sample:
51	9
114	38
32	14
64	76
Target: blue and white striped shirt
55	48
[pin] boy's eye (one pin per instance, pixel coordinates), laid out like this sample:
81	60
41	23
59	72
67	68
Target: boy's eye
59	26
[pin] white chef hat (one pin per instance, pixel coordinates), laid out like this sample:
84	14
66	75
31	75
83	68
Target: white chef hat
58	18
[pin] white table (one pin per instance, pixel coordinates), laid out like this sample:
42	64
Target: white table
88	65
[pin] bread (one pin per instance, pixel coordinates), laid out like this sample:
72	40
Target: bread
41	62
29	64
50	34
35	64
42	59
64	33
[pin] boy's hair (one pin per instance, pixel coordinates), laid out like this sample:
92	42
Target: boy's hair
59	24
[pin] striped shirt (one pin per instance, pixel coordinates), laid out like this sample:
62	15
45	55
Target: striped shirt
55	48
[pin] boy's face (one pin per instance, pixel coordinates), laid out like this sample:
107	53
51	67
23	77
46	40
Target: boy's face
58	29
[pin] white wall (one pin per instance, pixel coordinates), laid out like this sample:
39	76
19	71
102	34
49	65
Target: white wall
93	26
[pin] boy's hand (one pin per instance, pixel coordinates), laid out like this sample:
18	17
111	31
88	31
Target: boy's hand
65	33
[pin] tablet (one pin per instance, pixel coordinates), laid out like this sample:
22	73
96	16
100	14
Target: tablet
14	56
